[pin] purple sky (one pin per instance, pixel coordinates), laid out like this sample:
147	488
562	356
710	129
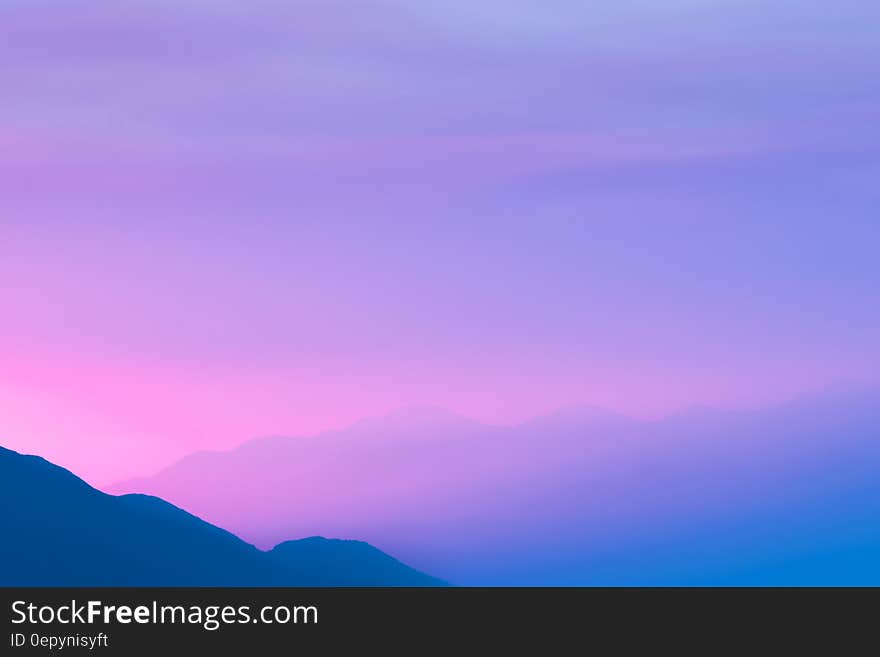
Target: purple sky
220	220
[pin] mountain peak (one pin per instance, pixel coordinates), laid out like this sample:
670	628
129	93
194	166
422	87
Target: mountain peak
421	416
354	563
576	415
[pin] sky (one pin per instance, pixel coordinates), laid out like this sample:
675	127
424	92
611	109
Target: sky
222	220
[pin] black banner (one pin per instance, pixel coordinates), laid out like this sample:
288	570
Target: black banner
283	621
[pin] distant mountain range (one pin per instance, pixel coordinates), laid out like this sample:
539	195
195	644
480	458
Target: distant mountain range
58	531
782	495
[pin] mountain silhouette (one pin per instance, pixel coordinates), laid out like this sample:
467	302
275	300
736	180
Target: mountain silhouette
347	563
59	531
786	494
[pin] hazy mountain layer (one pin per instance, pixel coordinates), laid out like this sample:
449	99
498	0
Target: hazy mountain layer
784	495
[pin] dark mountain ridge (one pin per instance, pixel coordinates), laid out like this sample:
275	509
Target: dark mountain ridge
59	531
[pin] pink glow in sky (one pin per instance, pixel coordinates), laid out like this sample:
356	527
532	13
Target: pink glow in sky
218	223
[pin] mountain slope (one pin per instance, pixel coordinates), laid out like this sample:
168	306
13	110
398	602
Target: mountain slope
58	531
348	563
